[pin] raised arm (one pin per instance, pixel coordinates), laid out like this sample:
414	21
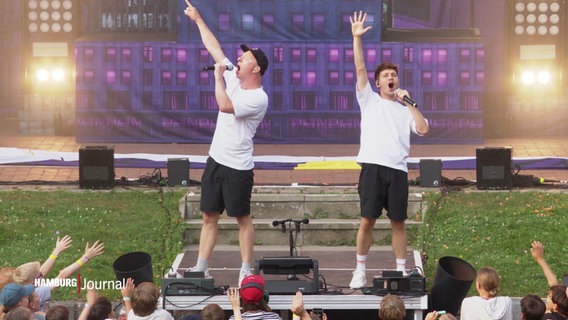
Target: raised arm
90	252
233	295
537	252
60	246
207	37
358	30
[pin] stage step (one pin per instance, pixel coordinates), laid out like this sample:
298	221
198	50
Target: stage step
333	214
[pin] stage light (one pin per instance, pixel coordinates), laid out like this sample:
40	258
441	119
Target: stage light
50	12
544	77
42	75
58	74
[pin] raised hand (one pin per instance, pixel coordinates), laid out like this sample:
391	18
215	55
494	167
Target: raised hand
95	250
62	244
358	24
191	11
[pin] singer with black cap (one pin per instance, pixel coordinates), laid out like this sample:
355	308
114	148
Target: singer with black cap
387	120
227	180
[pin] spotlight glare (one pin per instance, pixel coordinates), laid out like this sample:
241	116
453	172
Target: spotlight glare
542	30
58	75
554	30
528	77
542	18
544	77
519	18
519	30
555	7
542	7
519	7
42	75
554	18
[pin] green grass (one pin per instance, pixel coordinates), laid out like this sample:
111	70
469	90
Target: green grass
126	221
496	229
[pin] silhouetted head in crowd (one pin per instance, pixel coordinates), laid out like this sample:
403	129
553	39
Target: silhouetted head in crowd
532	307
57	313
559	300
212	311
20	313
100	310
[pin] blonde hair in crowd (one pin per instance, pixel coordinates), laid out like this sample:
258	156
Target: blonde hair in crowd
145	299
26	273
392	308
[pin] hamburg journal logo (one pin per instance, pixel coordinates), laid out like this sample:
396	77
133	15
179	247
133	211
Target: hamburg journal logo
81	284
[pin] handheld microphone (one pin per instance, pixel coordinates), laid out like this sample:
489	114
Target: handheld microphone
208	68
408	100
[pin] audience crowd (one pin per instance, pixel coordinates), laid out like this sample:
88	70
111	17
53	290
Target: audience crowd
21	298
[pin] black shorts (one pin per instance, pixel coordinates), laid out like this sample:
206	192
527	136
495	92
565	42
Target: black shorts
383	187
226	188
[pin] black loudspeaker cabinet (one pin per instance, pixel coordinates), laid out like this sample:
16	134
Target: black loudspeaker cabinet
96	167
178	172
431	173
494	168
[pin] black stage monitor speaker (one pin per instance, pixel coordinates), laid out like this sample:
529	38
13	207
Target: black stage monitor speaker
494	168
178	172
96	167
431	173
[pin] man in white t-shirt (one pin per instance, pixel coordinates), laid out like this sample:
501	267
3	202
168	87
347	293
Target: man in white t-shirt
387	119
227	180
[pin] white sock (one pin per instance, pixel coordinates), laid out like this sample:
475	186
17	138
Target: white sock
245	267
202	265
400	264
361	262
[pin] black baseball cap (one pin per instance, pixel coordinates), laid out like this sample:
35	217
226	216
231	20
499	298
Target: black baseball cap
260	57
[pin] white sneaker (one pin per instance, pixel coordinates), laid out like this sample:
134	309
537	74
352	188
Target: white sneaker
194	269
243	274
359	280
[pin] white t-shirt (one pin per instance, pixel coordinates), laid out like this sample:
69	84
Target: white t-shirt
159	314
232	144
478	308
385	130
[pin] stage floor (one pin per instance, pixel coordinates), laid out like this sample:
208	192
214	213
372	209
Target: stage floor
336	264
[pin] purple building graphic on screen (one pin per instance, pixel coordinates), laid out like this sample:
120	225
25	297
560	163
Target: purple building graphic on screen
139	74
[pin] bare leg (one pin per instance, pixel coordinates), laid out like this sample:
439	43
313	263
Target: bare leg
246	237
399	239
208	236
365	235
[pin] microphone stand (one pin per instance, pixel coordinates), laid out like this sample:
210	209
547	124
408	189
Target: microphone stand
293	234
